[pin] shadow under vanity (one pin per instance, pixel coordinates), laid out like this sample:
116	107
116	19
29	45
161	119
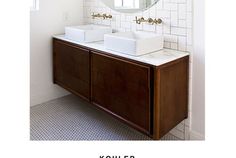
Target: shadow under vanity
146	86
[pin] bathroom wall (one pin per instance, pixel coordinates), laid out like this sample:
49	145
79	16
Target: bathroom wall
176	15
50	19
198	101
176	28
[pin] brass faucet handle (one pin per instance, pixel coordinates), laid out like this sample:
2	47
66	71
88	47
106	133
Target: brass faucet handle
109	16
158	21
95	15
150	21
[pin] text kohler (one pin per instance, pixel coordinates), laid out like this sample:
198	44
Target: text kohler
116	157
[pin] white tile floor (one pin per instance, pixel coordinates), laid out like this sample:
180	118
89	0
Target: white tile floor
70	118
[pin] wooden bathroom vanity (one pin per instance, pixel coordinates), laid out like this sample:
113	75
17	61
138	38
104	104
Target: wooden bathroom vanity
151	97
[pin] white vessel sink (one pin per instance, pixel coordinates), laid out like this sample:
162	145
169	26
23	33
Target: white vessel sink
86	33
134	43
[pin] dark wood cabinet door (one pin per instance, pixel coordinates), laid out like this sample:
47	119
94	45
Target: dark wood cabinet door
72	68
122	88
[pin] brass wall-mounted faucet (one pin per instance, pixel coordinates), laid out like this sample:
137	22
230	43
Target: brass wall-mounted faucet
149	20
104	16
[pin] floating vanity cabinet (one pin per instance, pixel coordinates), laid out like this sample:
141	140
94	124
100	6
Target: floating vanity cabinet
170	92
122	88
72	68
150	98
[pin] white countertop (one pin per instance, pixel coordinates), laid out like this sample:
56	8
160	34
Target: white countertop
155	58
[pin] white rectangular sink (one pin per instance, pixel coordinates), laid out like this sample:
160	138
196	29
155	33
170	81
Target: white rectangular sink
134	43
86	33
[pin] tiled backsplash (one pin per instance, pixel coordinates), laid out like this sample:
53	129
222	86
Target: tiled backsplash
176	28
176	16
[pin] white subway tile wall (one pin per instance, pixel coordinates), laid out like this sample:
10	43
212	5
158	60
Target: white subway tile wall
176	16
176	28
